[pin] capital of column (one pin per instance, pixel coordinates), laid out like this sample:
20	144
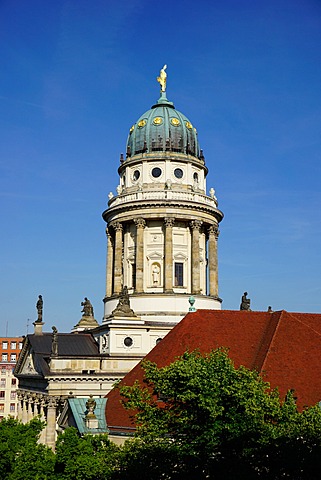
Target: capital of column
20	395
213	230
169	222
52	402
117	226
195	224
140	222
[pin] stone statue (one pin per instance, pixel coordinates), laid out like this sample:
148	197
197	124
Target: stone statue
123	306
87	310
54	345
110	195
119	189
245	303
155	274
124	296
39	307
91	405
212	194
162	78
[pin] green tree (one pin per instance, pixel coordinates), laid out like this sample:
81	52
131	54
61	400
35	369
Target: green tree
92	457
211	419
21	457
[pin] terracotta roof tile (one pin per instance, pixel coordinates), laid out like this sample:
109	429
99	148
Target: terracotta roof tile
284	347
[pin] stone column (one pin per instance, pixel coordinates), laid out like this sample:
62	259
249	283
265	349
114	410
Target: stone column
19	406
195	254
140	225
42	438
30	412
24	409
213	233
30	408
109	266
118	263
51	423
168	254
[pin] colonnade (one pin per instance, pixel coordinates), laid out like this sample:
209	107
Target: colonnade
114	272
33	404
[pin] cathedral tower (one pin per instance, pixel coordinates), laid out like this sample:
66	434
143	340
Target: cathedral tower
162	227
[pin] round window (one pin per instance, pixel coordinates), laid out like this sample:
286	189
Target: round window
156	172
136	175
158	340
178	172
128	342
195	176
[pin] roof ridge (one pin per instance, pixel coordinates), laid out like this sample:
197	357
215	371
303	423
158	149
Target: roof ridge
267	339
303	323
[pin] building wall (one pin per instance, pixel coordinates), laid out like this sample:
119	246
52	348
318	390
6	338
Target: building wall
10	348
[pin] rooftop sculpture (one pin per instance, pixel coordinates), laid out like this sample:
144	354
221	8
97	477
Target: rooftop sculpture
162	78
245	303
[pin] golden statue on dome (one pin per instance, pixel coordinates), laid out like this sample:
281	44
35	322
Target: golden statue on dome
162	78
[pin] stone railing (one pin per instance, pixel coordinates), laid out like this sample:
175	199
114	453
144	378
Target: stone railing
162	195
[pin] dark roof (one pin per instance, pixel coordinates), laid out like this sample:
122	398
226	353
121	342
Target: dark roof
284	347
69	344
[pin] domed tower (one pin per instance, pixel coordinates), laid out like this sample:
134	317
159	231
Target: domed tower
162	227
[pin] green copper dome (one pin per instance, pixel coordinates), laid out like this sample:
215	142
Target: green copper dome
163	129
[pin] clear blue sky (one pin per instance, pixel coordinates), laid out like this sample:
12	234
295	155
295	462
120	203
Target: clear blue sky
76	74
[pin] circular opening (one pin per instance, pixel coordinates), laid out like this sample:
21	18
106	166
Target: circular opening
178	172
195	176
128	342
156	172
136	175
158	340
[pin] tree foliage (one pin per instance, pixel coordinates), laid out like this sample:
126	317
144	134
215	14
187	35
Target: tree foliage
85	458
214	419
199	417
21	457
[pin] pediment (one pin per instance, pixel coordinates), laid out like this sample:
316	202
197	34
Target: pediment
28	365
155	256
180	257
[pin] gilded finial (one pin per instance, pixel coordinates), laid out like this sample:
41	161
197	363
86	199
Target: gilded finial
162	78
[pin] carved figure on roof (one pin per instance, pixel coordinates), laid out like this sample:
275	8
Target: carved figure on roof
245	303
123	306
54	345
124	296
39	307
87	310
90	405
162	78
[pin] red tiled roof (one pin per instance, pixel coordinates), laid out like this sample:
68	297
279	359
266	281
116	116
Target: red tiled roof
284	347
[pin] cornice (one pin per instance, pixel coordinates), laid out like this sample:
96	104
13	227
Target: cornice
110	214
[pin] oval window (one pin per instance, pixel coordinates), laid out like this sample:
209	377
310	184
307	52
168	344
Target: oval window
178	172
195	177
128	342
136	175
156	172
